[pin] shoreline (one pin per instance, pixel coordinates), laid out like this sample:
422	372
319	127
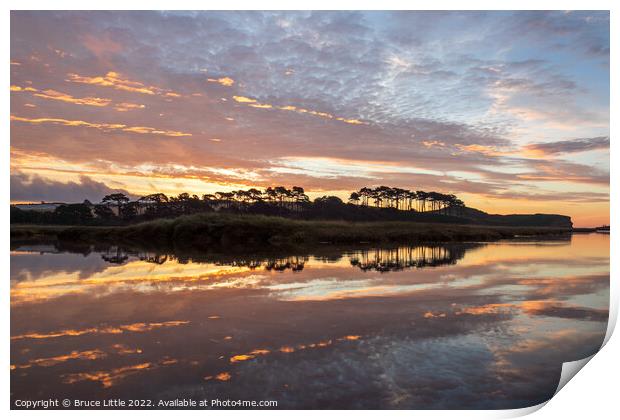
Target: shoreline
207	231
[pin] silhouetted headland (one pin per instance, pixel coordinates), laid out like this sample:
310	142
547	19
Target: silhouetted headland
276	217
211	230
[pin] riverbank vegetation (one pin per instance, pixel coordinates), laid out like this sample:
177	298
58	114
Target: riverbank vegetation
380	204
212	230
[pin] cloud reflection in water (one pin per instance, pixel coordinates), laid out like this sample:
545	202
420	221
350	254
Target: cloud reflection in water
469	326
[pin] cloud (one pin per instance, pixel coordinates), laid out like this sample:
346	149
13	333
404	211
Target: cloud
116	81
562	310
65	97
447	97
254	104
243	99
26	187
100	126
59	96
564	171
224	81
127	106
567	146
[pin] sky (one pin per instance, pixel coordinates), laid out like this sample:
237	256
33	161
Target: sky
507	110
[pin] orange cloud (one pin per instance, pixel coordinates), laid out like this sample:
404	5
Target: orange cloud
101	126
127	106
432	143
224	81
243	99
59	96
350	121
264	106
114	80
22	89
254	104
482	149
65	97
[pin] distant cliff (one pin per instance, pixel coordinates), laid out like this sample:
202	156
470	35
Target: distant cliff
538	219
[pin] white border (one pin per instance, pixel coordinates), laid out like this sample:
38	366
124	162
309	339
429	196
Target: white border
316	5
593	394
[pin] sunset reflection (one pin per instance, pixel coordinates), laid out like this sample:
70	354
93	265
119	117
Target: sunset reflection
498	318
107	379
136	327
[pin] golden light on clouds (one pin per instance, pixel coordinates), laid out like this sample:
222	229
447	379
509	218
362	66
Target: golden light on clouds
65	97
15	88
224	81
533	152
482	149
101	126
127	106
138	179
255	104
432	143
264	106
62	121
243	99
114	80
59	96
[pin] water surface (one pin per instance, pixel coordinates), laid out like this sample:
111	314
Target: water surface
428	327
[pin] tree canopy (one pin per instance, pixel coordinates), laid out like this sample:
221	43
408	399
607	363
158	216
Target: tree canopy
367	203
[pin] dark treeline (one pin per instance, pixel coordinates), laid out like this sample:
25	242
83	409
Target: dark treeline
367	204
402	199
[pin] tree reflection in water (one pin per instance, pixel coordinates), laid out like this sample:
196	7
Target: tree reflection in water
401	258
375	259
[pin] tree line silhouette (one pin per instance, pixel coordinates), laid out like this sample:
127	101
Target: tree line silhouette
403	199
380	203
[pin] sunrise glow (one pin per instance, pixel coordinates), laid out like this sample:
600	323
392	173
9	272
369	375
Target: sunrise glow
505	110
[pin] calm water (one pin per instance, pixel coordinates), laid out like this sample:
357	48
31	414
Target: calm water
453	326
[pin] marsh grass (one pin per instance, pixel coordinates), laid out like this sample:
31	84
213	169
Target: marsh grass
209	230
